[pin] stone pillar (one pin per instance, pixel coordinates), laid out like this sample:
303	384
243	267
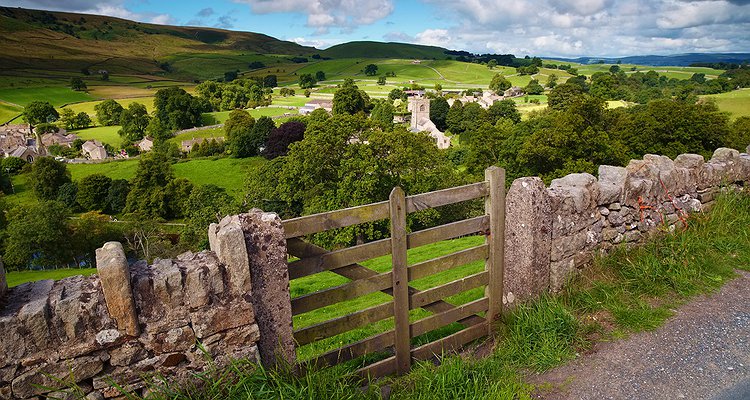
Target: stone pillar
528	237
114	273
267	256
3	282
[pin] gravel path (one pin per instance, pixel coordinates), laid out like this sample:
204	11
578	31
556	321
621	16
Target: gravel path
703	352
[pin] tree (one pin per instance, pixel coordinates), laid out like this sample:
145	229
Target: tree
739	134
82	120
552	81
439	112
45	127
238	128
260	132
396	94
382	114
177	109
38	112
108	112
148	195
614	69
505	109
38	236
381	80
92	192
67	118
499	84
320	76
563	95
492	63
487	146
206	204
270	81
533	87
77	84
371	70
307	81
68	194
47	175
88	233
454	118
134	121
157	130
349	99
280	138
230	76
438	87
13	165
117	196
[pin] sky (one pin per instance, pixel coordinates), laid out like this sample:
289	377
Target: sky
560	28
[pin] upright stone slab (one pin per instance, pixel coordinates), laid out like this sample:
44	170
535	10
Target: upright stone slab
267	256
3	282
228	242
113	270
528	236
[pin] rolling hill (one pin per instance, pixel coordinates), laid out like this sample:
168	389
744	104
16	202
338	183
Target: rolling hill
368	49
56	41
680	60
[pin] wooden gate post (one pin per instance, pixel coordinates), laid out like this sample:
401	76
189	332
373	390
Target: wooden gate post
494	207
400	281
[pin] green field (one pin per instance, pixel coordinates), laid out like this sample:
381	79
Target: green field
16	278
736	102
219	117
104	134
228	173
88	106
55	95
8	112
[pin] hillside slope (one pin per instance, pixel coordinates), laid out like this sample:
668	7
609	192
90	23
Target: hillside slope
43	40
368	49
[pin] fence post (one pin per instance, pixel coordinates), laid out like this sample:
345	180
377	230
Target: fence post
494	207
400	281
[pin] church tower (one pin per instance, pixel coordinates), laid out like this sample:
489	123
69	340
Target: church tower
420	110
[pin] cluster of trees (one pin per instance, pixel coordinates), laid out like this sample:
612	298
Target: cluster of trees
248	137
175	109
208	148
349	99
344	160
577	133
230	96
70	120
640	87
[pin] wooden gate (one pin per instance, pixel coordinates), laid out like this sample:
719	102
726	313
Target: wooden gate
475	317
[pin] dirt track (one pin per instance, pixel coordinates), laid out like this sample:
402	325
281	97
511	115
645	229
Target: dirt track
703	352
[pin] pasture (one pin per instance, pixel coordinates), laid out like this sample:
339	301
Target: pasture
736	102
88	106
16	278
104	134
57	96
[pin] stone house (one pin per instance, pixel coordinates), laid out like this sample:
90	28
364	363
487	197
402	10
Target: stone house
515	91
59	138
145	144
94	150
313	105
27	153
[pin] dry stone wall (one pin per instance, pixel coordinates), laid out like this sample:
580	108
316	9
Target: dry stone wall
172	318
553	232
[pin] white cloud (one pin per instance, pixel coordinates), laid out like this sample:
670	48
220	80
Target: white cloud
595	27
433	37
317	43
324	14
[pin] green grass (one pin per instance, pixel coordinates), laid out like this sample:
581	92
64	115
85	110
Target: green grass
16	278
228	173
8	112
88	107
124	169
104	134
736	102
57	96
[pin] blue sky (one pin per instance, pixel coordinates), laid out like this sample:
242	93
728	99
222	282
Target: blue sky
533	27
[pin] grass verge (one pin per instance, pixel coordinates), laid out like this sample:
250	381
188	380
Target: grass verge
627	291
